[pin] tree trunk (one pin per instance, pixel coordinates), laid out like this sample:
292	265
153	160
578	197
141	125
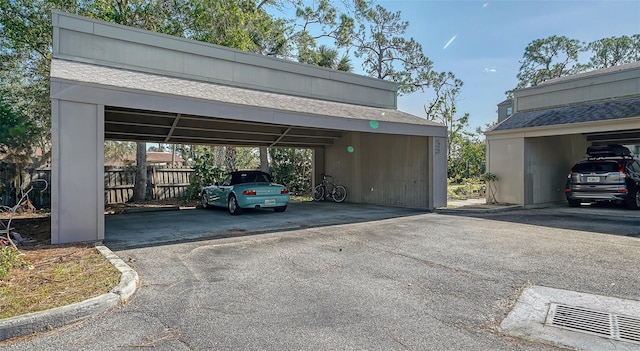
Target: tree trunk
230	156
140	187
218	154
264	160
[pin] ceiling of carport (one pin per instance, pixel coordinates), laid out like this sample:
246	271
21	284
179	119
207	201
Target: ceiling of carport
153	126
627	137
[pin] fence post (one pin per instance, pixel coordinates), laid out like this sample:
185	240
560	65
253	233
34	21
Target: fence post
154	183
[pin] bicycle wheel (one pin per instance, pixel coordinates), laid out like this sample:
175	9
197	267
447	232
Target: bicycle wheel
318	193
339	193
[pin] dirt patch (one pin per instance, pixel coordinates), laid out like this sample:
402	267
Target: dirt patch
35	226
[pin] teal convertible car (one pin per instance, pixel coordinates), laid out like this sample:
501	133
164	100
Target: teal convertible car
246	189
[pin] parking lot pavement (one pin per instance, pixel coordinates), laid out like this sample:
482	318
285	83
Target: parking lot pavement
421	282
163	227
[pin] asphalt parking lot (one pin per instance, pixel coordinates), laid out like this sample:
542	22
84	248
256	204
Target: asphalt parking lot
418	281
147	228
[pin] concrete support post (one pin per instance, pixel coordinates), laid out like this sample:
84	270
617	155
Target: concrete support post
77	179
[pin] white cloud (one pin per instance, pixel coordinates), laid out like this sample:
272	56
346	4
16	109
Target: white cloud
489	70
450	41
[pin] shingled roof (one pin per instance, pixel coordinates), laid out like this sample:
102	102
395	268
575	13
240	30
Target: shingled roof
591	112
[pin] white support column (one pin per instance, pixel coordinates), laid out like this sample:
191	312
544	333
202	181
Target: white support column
437	172
77	173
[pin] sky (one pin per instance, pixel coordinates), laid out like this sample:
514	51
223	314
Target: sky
489	39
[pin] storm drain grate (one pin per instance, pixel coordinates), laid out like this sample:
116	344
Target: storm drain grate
604	324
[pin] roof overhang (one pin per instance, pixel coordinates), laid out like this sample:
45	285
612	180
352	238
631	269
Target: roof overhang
141	106
602	122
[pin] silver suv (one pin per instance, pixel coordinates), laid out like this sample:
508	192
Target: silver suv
609	174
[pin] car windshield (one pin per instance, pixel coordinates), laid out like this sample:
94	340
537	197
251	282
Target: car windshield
249	177
599	166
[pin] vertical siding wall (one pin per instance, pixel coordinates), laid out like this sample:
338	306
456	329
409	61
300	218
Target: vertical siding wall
383	169
548	162
504	159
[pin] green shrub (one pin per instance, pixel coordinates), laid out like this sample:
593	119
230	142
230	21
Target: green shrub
461	189
10	257
206	173
292	168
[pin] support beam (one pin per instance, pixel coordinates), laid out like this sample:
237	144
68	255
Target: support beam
173	127
280	137
77	186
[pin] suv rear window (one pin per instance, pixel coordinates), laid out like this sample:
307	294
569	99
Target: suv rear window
596	167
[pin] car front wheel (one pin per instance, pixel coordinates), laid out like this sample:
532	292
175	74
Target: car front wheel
204	202
232	205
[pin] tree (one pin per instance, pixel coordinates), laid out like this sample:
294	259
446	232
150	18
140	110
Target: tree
386	53
552	57
462	151
240	24
292	167
116	151
25	54
16	134
468	159
140	186
609	52
25	38
327	57
325	22
264	159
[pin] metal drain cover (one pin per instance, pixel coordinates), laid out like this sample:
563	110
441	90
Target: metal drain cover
603	324
578	320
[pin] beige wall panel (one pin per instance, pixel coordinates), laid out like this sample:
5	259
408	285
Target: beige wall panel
112	45
342	164
78	178
505	159
602	87
256	77
347	92
200	66
382	169
548	162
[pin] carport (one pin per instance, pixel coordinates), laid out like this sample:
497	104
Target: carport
553	124
115	82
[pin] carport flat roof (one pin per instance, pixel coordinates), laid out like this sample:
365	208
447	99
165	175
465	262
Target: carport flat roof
233	116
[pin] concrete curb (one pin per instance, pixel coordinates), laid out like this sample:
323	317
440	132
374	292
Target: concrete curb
64	315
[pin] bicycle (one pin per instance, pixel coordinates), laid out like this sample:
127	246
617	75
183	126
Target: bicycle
329	190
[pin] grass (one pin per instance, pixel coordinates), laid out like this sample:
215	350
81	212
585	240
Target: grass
55	276
467	190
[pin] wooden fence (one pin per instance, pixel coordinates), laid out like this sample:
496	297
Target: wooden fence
162	184
39	197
